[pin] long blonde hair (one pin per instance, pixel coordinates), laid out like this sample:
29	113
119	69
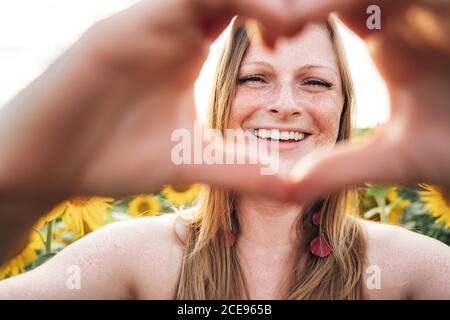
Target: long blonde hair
211	267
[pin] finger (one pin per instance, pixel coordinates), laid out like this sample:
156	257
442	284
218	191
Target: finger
238	167
243	178
354	13
216	14
260	33
347	165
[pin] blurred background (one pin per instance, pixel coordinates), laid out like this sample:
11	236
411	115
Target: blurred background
33	33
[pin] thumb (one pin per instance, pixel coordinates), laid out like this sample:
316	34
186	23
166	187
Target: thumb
354	13
244	178
346	165
241	167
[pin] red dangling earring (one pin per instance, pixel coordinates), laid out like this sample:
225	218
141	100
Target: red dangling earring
319	245
317	218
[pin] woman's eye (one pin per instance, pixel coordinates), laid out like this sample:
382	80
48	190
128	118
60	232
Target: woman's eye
318	83
251	79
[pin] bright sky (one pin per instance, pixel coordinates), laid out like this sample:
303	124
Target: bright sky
33	33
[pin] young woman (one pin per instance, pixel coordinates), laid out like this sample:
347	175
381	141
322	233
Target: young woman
240	246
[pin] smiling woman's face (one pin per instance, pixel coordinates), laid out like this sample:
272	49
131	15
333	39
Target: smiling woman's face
292	94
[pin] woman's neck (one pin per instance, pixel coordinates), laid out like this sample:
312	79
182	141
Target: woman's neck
267	224
266	245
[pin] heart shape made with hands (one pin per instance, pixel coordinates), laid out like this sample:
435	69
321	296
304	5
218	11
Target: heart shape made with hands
393	154
412	51
113	94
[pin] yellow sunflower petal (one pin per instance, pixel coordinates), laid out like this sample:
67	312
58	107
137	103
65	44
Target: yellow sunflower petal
144	205
179	198
397	211
27	256
86	214
438	203
52	215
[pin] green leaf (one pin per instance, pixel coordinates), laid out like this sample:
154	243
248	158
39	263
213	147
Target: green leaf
417	209
378	192
408	193
42	259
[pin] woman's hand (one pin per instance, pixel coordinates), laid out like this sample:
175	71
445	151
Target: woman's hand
412	52
100	119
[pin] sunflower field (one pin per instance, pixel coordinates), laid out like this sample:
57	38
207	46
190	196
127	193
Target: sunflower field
421	208
74	218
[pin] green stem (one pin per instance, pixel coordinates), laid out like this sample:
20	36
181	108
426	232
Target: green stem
48	242
40	235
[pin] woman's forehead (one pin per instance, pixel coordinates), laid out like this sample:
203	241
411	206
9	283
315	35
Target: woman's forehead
311	47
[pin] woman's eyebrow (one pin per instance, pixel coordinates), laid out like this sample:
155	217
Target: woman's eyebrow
318	66
305	67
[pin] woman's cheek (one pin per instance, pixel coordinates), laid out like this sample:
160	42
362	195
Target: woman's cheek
244	105
326	111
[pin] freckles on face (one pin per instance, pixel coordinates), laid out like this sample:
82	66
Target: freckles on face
326	114
297	86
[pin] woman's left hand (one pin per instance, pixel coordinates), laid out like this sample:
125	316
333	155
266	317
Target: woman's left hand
412	52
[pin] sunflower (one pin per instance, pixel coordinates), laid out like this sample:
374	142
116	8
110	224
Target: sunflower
53	215
438	203
144	205
83	214
181	197
27	256
395	215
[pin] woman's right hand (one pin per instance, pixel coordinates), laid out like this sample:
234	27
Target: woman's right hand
100	119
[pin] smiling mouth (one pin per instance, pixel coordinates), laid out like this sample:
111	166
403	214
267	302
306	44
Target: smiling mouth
279	134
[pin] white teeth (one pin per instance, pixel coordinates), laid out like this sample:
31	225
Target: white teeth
275	134
263	133
291	135
284	135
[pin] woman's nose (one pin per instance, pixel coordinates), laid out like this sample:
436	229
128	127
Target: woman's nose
284	106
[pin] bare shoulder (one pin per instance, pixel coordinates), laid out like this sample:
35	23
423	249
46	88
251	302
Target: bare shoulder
410	265
144	253
140	258
157	248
